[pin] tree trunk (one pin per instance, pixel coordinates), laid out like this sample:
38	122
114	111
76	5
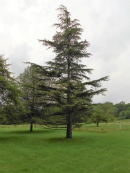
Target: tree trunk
31	127
97	124
69	118
69	126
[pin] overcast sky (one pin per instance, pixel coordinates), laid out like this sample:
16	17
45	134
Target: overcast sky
106	25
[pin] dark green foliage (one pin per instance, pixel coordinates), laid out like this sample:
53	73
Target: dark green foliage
70	94
120	107
127	113
9	95
122	115
12	114
8	88
28	82
127	106
122	110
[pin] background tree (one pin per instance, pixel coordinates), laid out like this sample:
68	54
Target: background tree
122	115
120	107
109	110
28	81
71	95
98	116
103	112
9	93
126	106
127	113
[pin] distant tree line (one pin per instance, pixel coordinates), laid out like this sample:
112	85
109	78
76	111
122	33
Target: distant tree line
107	112
123	110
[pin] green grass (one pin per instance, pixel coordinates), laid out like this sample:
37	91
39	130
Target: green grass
104	149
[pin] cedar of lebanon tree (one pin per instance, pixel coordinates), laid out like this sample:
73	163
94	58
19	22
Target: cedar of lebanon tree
70	72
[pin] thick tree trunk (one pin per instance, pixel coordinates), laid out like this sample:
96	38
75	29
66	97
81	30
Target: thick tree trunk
69	127
31	127
69	117
97	124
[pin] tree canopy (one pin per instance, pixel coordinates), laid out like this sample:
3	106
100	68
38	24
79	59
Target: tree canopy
9	92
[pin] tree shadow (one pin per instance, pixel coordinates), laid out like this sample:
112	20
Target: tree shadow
8	138
21	135
29	132
58	139
75	139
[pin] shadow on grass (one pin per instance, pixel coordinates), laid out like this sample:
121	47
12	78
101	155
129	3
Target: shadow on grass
75	139
57	139
22	135
7	138
28	132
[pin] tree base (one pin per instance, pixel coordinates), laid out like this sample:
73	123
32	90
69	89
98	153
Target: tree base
69	131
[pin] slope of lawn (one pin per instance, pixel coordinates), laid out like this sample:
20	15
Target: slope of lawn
93	149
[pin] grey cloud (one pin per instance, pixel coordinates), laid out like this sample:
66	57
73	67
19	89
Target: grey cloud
19	55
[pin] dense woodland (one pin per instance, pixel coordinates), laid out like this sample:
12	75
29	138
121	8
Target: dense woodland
60	93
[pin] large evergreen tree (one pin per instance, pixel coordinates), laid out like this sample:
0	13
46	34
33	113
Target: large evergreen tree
71	93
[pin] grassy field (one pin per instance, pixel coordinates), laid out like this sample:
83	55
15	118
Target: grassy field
104	149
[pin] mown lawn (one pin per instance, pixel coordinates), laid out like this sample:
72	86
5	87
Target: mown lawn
105	149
